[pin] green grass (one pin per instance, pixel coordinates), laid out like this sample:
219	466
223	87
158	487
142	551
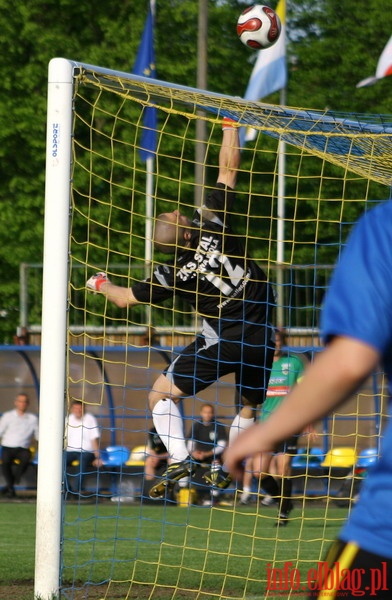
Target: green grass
17	539
218	553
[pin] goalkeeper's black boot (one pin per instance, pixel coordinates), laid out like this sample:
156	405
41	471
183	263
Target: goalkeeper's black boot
173	473
218	478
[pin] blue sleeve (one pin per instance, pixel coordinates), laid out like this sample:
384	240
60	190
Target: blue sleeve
359	301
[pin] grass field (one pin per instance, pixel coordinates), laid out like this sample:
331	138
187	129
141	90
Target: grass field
223	552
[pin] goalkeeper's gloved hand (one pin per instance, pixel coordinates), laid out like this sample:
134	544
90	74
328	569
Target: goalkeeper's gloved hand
228	123
95	282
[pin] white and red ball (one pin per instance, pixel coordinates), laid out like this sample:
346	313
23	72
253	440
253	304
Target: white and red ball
259	27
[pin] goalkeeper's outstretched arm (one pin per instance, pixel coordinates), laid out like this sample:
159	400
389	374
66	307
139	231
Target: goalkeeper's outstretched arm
120	296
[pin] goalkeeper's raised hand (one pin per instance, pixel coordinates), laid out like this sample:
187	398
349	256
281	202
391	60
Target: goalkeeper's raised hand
95	282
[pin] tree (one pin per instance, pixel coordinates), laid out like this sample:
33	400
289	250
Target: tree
332	46
104	33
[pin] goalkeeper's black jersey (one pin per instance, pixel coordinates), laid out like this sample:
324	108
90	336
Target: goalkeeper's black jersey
227	289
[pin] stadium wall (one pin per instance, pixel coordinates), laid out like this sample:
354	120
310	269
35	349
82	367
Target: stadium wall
116	383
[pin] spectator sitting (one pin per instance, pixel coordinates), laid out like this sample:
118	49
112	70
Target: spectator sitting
207	441
82	439
18	428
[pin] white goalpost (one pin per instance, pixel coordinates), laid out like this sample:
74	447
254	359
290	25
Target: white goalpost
54	315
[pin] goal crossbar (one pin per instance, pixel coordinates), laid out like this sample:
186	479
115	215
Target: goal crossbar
335	136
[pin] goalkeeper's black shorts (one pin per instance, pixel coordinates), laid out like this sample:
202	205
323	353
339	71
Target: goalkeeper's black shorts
205	360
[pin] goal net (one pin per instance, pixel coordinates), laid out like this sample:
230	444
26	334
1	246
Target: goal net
303	182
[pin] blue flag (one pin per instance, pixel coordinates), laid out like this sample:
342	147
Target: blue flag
145	66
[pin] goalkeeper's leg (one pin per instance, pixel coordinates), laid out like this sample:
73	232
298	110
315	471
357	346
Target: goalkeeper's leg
168	423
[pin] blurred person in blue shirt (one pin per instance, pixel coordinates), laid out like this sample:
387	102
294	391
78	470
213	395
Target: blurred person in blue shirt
357	328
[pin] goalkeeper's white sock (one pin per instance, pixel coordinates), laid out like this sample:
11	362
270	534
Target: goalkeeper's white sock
239	424
168	423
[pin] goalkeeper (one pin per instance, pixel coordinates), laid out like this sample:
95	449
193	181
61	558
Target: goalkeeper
210	270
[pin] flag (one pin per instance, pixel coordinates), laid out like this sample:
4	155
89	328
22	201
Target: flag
384	66
145	66
269	72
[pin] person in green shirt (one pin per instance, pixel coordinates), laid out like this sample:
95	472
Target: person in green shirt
274	469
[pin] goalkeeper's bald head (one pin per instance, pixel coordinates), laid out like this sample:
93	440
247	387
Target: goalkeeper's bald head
172	230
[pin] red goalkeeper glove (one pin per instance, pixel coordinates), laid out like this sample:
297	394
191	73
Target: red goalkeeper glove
95	282
228	123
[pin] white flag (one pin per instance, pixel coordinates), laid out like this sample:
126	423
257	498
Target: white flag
384	66
270	71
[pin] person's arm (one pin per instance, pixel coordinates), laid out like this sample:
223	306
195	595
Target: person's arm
335	374
91	430
229	155
217	204
221	442
36	430
97	462
2	426
219	447
120	296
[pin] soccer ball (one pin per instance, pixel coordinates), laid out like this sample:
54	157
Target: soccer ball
259	27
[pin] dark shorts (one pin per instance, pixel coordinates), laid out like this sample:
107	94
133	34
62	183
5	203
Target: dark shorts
204	361
361	574
288	447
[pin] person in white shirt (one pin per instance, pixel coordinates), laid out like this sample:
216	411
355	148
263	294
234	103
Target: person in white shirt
18	429
82	445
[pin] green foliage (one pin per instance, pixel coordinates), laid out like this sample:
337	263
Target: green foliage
332	46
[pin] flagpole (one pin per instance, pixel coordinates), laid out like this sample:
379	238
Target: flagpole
150	161
281	210
145	65
269	75
281	222
149	212
201	126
